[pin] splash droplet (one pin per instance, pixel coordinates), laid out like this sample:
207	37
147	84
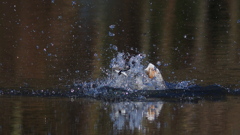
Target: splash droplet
111	34
112	26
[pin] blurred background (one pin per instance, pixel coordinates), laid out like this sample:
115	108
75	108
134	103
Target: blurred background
54	43
51	43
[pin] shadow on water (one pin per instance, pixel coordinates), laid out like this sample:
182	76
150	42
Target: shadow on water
111	94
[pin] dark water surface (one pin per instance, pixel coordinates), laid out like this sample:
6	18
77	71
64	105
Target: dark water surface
36	115
50	44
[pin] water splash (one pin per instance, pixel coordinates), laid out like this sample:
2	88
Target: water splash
127	72
126	80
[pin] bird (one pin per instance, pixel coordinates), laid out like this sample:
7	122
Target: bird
154	81
153	73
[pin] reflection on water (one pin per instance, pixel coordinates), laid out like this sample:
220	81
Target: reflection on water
131	115
17	119
36	115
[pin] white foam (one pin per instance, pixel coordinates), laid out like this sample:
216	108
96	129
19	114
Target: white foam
128	73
